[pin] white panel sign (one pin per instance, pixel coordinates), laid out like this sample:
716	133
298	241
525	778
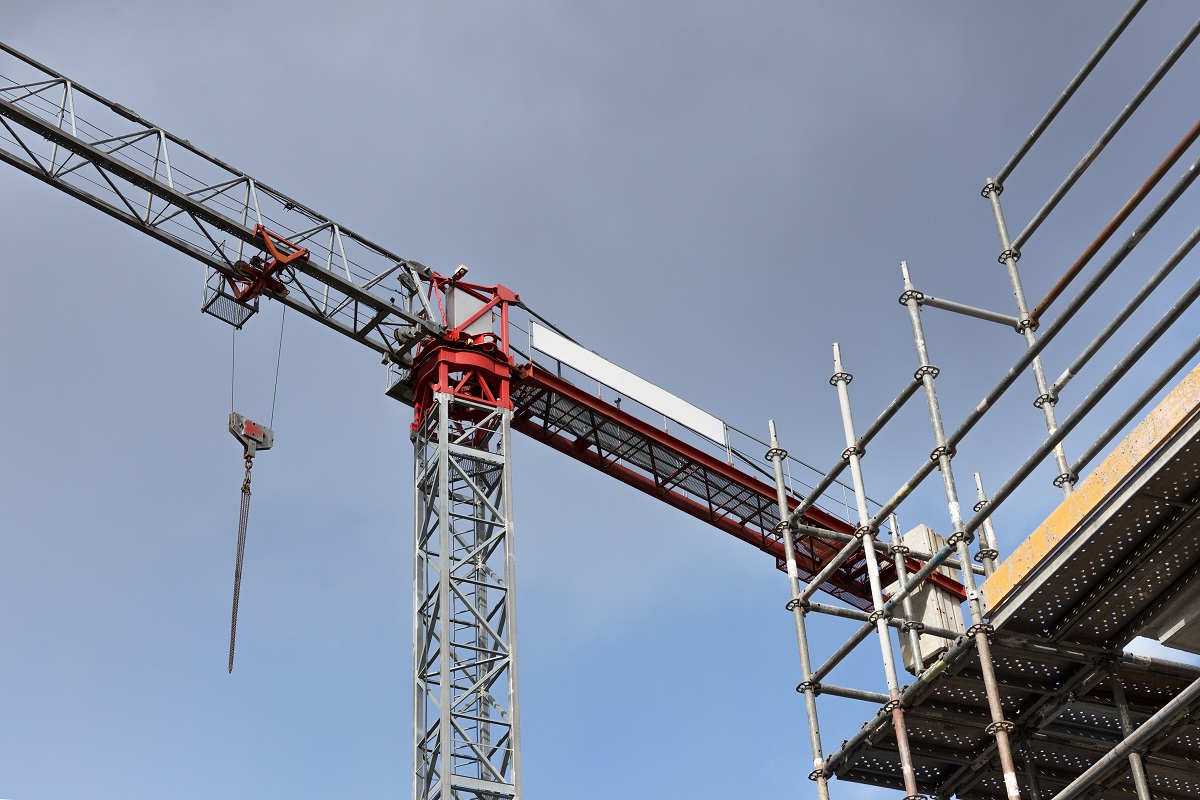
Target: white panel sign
626	383
460	307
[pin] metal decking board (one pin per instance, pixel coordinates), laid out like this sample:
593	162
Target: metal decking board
1052	549
1063	709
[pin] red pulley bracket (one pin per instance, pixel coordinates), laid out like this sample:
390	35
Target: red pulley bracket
258	275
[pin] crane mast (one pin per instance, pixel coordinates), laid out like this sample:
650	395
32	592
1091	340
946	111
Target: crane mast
466	718
466	714
447	345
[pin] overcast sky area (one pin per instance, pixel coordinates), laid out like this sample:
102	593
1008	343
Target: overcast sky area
707	193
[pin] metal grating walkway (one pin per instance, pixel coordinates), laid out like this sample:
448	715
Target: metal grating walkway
598	434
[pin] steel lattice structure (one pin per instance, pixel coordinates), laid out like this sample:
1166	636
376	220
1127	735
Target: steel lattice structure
109	157
466	719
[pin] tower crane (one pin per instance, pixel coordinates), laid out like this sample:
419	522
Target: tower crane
473	361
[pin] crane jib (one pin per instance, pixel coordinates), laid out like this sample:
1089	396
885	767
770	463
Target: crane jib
449	343
165	187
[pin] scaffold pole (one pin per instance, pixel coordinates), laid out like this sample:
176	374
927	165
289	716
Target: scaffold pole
807	686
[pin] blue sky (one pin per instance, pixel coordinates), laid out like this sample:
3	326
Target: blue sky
708	194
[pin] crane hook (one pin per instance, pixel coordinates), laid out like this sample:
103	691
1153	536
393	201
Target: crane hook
253	437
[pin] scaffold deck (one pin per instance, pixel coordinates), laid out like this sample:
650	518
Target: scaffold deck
1061	701
1064	605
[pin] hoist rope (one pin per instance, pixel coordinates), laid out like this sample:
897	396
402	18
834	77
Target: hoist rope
243	521
232	369
278	358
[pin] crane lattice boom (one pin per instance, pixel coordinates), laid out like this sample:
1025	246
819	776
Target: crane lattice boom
467	379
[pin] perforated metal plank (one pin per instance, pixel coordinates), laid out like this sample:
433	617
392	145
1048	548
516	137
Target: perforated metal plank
1091	578
1042	552
1136	551
1064	726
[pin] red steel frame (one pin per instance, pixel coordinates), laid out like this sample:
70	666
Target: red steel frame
259	275
480	367
474	367
533	383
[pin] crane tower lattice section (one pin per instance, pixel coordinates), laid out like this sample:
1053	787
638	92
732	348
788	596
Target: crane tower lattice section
466	722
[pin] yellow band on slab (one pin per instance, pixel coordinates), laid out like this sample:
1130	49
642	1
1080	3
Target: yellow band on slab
1141	443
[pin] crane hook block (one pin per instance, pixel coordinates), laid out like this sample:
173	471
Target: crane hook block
252	435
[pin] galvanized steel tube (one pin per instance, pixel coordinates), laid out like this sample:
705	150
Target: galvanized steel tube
1096	395
1137	405
1136	767
1118	320
808	686
912	626
989	548
1075	83
1118	219
942	453
1048	335
841	380
1045	399
972	311
1108	135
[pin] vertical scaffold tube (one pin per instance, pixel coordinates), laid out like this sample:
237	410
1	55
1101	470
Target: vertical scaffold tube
912	627
1136	767
1000	728
989	550
866	533
1046	398
796	605
1032	782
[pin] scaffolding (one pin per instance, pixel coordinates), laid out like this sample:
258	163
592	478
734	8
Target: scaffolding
1029	693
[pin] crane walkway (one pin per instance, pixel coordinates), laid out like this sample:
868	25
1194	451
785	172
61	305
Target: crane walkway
601	435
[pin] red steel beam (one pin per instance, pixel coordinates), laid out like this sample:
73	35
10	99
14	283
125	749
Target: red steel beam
845	584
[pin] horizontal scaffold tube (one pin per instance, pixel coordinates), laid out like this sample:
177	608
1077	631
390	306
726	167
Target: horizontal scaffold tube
1075	83
1118	219
854	694
1108	135
972	311
1097	394
863	616
1113	759
1048	335
1143	399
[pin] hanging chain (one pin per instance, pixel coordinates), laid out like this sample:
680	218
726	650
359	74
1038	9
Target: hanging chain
243	520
